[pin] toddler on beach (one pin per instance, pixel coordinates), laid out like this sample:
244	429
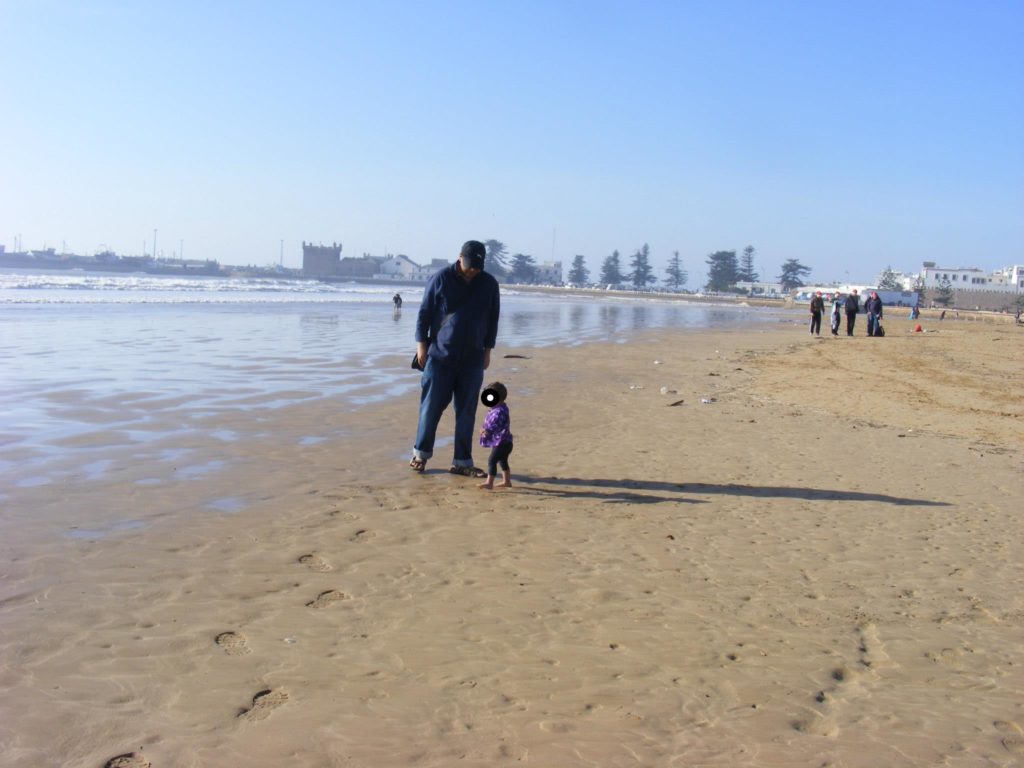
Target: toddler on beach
496	434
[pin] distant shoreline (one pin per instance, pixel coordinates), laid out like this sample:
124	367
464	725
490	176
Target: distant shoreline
780	303
736	300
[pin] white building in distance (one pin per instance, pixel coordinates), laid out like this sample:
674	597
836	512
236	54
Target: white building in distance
760	288
398	267
1005	280
326	263
549	272
427	271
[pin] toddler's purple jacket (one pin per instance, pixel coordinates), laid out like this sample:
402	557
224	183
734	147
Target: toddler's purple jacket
496	427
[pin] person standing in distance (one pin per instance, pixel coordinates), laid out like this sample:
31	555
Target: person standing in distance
456	329
873	306
817	309
837	307
852	308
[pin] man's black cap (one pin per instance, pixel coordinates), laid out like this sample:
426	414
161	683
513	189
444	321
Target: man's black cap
474	251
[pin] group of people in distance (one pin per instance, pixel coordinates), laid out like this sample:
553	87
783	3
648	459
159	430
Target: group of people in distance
851	307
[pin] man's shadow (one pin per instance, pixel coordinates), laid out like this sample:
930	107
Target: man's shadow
632	491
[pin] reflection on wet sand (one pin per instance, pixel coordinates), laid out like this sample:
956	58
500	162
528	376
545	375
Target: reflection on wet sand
78	375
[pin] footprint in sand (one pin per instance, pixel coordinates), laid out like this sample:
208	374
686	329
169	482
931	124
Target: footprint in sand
362	535
233	643
872	651
315	563
847	682
818	724
557	726
326	598
822	720
129	760
1013	736
263	703
949	657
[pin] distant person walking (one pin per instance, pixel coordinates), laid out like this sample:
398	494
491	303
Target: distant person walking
837	313
397	300
817	310
496	434
456	329
873	307
852	307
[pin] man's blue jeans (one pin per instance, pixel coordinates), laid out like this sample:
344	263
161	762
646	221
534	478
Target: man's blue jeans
439	385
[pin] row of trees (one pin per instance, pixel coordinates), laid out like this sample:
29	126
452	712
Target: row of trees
521	268
517	268
725	269
641	275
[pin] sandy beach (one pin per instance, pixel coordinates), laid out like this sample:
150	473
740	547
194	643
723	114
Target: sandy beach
822	565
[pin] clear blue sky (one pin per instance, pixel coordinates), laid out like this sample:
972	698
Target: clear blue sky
847	135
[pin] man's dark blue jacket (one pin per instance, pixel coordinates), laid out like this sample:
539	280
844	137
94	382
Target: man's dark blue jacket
459	319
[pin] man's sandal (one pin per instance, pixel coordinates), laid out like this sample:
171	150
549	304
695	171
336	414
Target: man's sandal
417	465
468	471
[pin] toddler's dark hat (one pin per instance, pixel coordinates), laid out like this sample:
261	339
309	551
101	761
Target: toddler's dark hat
474	252
494	393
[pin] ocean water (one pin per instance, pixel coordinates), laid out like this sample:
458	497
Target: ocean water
84	354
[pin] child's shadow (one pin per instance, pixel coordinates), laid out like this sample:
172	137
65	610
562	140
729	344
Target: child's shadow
624	491
631	491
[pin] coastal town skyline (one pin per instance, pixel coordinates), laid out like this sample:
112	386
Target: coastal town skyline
325	263
696	274
848	139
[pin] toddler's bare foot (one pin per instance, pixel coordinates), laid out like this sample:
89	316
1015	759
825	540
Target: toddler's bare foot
506	484
488	486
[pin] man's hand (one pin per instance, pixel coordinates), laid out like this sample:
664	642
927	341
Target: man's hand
421	353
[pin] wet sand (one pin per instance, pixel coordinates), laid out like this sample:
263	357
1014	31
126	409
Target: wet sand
822	565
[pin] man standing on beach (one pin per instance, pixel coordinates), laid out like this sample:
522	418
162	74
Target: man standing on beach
456	330
873	306
817	308
852	308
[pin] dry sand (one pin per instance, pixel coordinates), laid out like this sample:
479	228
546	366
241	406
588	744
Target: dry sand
821	567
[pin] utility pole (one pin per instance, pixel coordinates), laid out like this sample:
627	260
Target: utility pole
282	254
154	243
181	249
